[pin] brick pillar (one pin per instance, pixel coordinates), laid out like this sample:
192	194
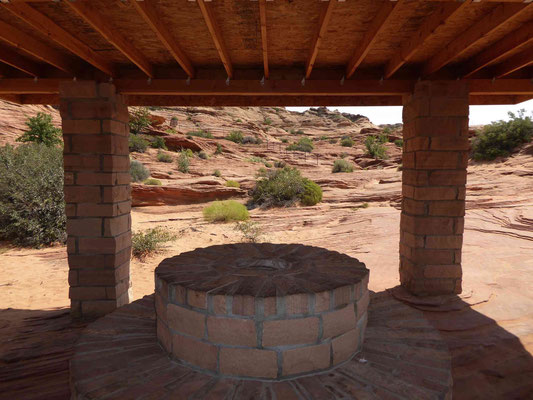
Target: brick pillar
97	196
435	157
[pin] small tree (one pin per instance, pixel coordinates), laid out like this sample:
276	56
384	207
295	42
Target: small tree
41	130
139	120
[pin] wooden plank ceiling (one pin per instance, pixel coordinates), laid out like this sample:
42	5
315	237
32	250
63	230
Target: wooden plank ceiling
266	52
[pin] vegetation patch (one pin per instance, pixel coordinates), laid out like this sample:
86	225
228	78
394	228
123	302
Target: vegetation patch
284	187
304	144
225	211
251	232
296	132
375	149
158	143
203	155
235	136
183	162
219	149
501	138
41	131
342	166
234	184
139	120
152	182
164	157
138	171
251	140
137	144
217	173
145	243
399	142
201	133
32	206
347	141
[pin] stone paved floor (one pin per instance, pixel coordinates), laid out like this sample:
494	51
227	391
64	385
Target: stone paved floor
404	358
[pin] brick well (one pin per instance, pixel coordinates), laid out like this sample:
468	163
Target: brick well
261	311
97	196
435	157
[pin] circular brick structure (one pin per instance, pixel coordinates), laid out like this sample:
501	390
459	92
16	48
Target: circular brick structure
261	311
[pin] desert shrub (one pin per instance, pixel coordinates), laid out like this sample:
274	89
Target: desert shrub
164	157
203	155
284	140
238	120
267	121
347	141
201	133
139	120
41	131
312	193
304	144
170	131
32	207
152	182
283	187
138	171
251	140
256	159
323	137
217	173
174	119
296	132
280	164
150	241
225	211
375	149
342	166
235	136
399	142
501	138
383	138
332	141
268	164
183	162
234	184
251	232
137	144
188	152
219	149
158	143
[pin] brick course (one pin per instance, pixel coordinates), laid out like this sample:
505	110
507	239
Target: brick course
97	196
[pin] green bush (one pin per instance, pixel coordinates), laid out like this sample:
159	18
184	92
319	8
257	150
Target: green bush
188	152
375	149
347	141
267	121
284	140
399	142
41	130
312	193
32	207
203	155
137	144
268	164
342	166
164	157
251	140
304	144
138	171
158	143
152	182
251	232
235	136
256	159
332	141
217	173
501	138
383	138
201	133
296	132
183	162
139	120
323	137
219	149
150	241
283	187
280	164
225	211
234	184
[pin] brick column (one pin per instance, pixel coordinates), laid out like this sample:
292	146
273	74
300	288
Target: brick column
97	196
435	158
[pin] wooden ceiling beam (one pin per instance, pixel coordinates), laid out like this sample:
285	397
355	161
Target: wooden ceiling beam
264	41
430	26
50	29
325	16
94	18
501	14
379	22
216	35
514	63
12	58
148	12
521	37
43	52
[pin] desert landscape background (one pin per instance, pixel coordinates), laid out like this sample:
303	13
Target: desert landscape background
489	328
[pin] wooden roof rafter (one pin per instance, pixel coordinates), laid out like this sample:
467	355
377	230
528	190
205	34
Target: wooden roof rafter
514	63
148	12
500	15
15	60
216	35
94	18
435	21
325	16
49	28
385	13
264	39
28	44
518	38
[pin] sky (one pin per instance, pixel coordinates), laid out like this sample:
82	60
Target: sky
479	115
